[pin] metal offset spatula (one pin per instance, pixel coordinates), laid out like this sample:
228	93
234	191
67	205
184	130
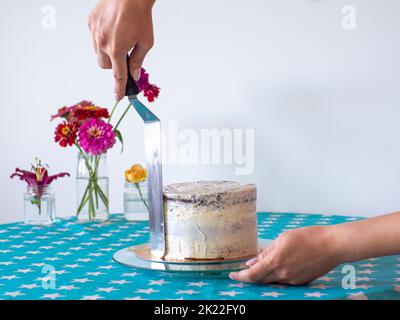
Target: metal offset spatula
152	142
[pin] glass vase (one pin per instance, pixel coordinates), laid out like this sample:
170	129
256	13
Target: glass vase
92	188
39	206
136	201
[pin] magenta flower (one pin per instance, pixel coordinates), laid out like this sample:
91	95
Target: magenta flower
38	179
96	136
149	90
143	81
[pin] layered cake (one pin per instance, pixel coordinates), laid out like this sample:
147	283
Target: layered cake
210	220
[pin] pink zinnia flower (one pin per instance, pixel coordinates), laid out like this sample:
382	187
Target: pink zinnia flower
96	136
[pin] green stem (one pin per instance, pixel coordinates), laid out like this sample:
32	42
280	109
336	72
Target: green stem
95	178
141	195
84	200
122	117
93	190
112	111
91	203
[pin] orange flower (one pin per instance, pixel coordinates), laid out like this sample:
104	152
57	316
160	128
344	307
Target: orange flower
136	174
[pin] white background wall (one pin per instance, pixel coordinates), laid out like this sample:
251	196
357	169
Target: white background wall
324	101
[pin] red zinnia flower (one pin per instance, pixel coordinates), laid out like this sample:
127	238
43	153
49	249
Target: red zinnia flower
65	134
151	92
90	112
65	112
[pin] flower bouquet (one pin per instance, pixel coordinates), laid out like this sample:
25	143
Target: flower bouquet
89	128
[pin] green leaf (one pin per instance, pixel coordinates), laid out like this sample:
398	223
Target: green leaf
119	136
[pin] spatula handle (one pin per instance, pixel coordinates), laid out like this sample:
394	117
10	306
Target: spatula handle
132	88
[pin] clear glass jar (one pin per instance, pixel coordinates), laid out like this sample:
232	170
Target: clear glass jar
136	201
39	206
92	188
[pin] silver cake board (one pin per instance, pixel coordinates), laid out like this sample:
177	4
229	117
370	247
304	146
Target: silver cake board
140	257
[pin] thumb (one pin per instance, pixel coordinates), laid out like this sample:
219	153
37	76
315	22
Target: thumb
136	60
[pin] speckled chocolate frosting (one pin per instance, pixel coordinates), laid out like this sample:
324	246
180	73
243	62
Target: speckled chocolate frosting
211	192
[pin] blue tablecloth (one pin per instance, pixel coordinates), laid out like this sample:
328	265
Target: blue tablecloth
80	258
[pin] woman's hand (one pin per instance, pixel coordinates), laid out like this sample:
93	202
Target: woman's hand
296	257
117	26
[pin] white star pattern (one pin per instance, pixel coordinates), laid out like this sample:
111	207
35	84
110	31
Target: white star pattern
41	264
85	267
108	290
20	257
13	294
9	277
363	286
28	286
237	285
314	294
272	294
84	260
132	274
367	271
320	286
229	293
367	265
197	284
158	282
358	296
94	274
34	252
69	288
147	291
84	280
363	279
72	266
119	282
106	267
94	297
52	296
325	278
189	292
24	270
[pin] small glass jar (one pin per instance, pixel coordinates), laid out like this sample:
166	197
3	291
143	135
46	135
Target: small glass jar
136	201
92	188
39	206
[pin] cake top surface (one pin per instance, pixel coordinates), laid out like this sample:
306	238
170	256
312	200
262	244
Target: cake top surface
209	192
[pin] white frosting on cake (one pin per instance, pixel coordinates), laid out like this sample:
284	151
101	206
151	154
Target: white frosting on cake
210	220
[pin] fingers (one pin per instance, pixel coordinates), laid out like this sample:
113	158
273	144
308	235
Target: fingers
120	70
260	268
136	60
257	272
251	262
103	60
